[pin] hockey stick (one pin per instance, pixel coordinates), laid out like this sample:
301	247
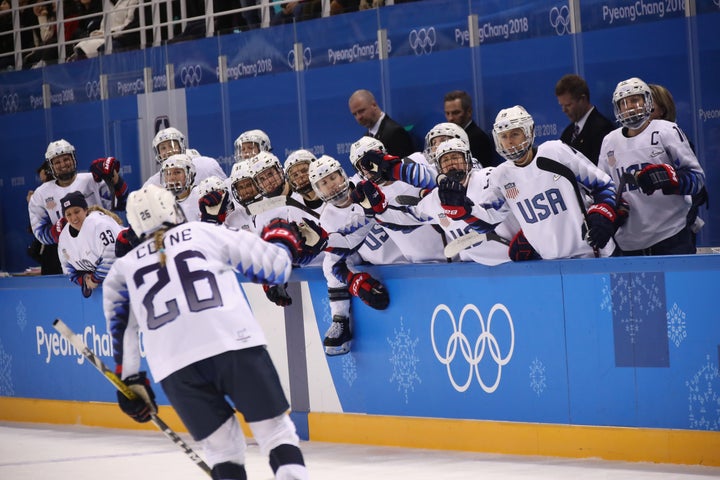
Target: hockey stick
469	239
266	204
407	200
77	342
558	168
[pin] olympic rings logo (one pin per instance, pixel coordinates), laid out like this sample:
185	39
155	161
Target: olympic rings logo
307	57
11	103
560	20
422	41
190	76
486	342
92	90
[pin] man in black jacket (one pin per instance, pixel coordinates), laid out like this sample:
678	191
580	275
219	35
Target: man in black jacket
458	110
589	126
367	113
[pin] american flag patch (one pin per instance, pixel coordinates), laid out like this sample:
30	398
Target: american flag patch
50	203
443	220
611	158
511	191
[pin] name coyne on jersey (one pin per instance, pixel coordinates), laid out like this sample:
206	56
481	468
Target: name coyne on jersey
641	9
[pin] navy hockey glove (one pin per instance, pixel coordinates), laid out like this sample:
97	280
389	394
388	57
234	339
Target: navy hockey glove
125	241
316	240
370	197
214	206
286	234
88	282
658	177
277	294
601	219
453	198
387	167
103	169
143	406
520	249
56	229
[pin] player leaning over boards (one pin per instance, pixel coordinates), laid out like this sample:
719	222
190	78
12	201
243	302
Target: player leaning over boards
665	170
200	338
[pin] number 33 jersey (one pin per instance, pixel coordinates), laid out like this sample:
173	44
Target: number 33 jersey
191	308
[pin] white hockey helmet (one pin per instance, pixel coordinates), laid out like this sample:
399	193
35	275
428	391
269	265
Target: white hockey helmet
241	172
509	119
57	148
322	168
453	145
359	148
634	115
151	208
257	137
297	181
176	141
184	162
444	129
259	164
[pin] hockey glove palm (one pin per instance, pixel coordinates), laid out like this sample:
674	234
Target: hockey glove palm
88	283
453	198
143	406
601	219
316	240
386	166
658	177
277	294
520	249
213	206
370	198
286	234
57	228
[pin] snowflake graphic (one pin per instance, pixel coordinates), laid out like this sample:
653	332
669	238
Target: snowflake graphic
349	369
635	296
676	325
606	302
6	384
324	310
21	312
704	397
537	377
404	360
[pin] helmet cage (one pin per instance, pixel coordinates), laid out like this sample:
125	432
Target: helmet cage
182	161
323	167
59	148
262	162
296	158
257	137
636	116
445	129
450	146
176	139
241	171
359	149
509	119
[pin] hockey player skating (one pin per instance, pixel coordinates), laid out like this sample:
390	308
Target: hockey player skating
86	247
657	153
201	340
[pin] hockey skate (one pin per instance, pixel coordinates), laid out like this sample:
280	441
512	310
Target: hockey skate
338	337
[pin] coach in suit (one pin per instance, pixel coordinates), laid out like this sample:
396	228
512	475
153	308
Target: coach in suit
458	110
588	127
367	113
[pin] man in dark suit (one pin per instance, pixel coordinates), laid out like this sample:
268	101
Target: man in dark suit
367	113
588	127
458	110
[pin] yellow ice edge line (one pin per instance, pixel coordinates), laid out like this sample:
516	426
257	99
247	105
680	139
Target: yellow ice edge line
689	447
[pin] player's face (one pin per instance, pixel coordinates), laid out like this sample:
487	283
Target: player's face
249	149
298	175
633	102
75	216
175	178
246	189
437	141
168	147
512	138
452	161
331	184
574	108
455	113
63	164
269	180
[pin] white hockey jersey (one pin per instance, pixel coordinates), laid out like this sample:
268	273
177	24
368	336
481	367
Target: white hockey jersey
193	307
92	249
658	216
44	207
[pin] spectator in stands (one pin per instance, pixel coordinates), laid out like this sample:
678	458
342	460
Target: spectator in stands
92	10
7	42
589	126
121	18
379	125
251	16
286	12
368	4
44	37
458	110
344	6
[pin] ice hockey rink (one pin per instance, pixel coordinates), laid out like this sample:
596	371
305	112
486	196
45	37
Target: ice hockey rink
34	451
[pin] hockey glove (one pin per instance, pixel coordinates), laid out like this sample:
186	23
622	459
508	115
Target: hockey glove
386	166
286	234
126	241
369	197
601	219
277	294
370	291
103	169
88	283
316	240
658	177
214	206
56	229
143	406
453	199
622	209
520	249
